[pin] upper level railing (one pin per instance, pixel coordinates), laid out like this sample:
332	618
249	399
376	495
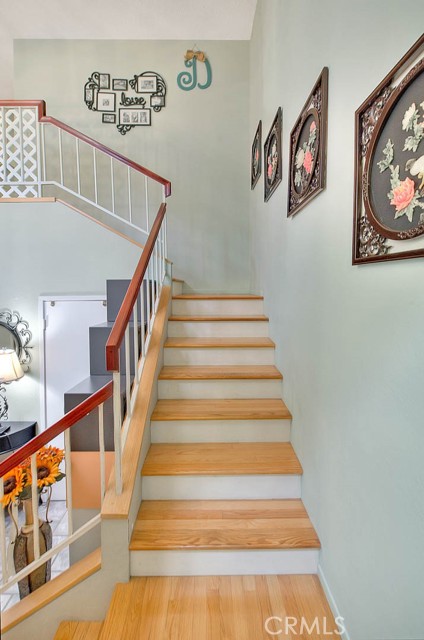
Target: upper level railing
40	156
129	340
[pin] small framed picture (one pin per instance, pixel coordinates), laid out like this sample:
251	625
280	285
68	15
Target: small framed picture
157	101
109	118
135	117
106	101
88	95
256	158
272	156
104	80
120	84
147	84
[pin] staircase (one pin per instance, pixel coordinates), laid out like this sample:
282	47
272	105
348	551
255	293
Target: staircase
221	485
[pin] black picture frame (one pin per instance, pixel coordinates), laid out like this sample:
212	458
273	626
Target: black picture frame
135	117
272	156
120	84
308	148
109	118
104	80
106	101
256	157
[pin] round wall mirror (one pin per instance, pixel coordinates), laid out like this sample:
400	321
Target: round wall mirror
15	334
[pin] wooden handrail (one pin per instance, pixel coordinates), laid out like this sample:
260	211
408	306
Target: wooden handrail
109	152
42	117
68	420
40	104
118	331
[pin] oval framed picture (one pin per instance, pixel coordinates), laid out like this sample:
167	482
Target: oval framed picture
389	185
308	148
272	157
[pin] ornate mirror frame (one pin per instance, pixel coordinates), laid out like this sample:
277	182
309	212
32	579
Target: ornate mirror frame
389	166
13	322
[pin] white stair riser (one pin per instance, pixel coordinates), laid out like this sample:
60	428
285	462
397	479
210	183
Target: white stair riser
232	329
222	563
217	307
246	487
179	431
181	356
219	389
177	288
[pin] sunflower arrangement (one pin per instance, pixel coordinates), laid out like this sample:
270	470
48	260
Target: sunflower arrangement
17	483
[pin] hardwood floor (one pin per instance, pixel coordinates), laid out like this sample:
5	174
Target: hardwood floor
219	608
221	372
223	524
219	343
72	630
237	409
231	458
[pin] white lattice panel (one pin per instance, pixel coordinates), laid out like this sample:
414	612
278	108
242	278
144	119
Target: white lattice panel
18	152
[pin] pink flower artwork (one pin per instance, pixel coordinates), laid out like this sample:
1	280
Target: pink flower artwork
403	194
313	126
307	161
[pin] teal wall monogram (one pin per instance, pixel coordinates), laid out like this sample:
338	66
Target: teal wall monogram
187	80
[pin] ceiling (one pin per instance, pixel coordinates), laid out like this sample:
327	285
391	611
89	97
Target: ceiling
129	19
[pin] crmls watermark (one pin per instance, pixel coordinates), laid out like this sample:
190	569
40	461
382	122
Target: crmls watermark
277	626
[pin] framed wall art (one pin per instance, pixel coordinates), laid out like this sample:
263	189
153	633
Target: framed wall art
272	156
308	148
256	157
389	165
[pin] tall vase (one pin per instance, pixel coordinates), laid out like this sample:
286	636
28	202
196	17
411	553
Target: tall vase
23	552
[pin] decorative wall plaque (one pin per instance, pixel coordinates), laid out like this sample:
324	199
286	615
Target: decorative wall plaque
272	157
125	103
389	163
256	157
188	80
308	148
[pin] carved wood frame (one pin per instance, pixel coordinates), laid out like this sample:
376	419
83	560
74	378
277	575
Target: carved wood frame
370	237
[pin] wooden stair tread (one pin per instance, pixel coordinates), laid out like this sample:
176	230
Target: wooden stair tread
220	372
243	318
217	296
78	630
235	458
237	409
217	524
219	343
51	590
213	607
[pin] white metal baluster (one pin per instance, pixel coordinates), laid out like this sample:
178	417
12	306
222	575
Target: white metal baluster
43	150
148	300
165	228
160	257
117	430
78	166
102	452
146	188
112	184
4	563
128	370
136	356
157	272
60	156
34	500
129	194
38	143
67	439
152	289
142	320
96	196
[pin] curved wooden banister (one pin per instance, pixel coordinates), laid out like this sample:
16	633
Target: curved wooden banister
68	420
109	152
118	331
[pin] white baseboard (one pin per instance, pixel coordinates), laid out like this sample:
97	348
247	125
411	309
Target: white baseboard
331	600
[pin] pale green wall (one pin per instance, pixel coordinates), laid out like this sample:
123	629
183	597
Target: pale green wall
350	339
198	141
51	250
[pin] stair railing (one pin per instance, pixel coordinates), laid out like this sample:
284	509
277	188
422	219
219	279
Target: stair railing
41	156
140	304
29	451
137	313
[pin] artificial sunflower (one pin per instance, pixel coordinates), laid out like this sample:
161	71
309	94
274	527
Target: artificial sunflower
54	454
13	485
